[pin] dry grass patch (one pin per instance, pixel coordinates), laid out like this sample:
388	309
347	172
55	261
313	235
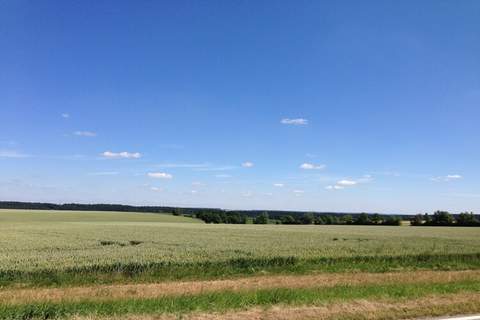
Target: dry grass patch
142	291
435	305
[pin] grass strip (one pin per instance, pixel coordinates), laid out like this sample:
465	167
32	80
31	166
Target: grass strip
231	300
160	271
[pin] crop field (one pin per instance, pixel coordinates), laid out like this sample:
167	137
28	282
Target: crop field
89	265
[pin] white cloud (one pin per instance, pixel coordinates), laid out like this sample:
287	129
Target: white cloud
278	185
447	178
298	191
156	189
65	115
454	176
247	164
121	155
194	192
12	154
365	179
295	122
346	183
85	133
160	175
311	166
335	187
197	184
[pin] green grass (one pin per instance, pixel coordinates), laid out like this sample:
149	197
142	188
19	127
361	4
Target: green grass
232	300
155	271
44	248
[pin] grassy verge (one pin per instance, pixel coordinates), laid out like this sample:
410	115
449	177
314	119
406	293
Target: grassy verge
158	271
233	300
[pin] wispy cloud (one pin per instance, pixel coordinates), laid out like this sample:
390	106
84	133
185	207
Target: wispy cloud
311	166
447	178
156	189
298	192
65	115
160	175
85	134
12	154
247	164
278	185
121	155
295	122
346	183
334	187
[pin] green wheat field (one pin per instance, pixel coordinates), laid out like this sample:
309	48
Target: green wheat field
68	250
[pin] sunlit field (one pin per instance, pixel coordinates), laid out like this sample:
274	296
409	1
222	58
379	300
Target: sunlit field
33	241
109	265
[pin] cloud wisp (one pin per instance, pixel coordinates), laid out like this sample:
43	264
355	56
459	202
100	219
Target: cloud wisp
247	164
160	175
12	154
447	178
311	166
348	183
89	134
294	122
121	155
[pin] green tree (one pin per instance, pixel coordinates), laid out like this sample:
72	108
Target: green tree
362	219
467	219
307	218
287	219
261	219
376	219
348	219
319	220
393	221
442	218
417	220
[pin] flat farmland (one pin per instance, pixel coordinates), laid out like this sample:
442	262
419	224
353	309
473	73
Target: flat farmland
160	264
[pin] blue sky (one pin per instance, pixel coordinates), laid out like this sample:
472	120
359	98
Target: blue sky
307	105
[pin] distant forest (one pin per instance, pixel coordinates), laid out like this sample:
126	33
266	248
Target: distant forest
216	215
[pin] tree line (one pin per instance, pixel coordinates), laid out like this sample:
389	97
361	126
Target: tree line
215	215
445	218
305	219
